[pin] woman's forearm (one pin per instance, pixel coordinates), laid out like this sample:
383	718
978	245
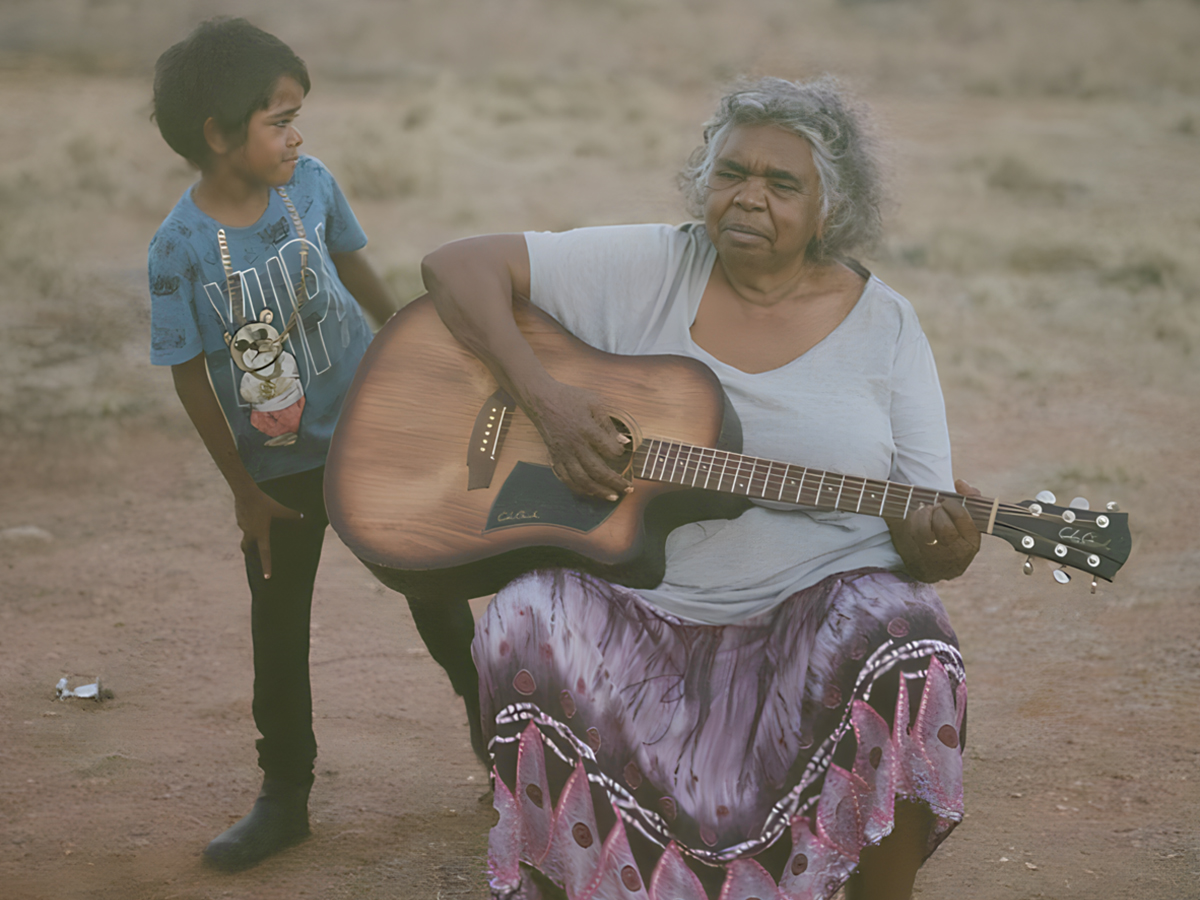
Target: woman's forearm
474	283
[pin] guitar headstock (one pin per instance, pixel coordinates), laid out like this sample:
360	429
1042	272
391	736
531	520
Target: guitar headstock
1092	541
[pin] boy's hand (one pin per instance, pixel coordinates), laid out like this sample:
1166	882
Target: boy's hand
254	511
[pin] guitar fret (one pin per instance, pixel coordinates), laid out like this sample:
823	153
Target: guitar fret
645	460
883	502
767	480
696	472
741	462
820	484
676	468
907	503
675	460
662	458
838	498
652	458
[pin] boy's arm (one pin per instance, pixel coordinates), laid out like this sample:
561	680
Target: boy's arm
365	285
253	508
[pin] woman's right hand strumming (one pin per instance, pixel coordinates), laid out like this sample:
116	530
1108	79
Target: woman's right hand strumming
580	437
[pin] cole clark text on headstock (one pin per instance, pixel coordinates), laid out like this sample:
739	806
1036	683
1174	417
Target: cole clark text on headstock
1075	536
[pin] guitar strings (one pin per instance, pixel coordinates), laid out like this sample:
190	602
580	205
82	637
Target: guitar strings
704	465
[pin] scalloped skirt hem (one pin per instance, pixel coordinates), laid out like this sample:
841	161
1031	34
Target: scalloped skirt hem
639	756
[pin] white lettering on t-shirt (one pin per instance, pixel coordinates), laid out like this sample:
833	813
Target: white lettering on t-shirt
284	270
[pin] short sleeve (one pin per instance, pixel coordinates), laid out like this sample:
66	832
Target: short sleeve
174	332
603	283
919	432
343	234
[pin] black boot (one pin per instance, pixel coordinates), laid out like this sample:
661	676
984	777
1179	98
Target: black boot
279	819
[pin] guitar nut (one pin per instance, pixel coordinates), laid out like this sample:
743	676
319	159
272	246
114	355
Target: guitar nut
1060	550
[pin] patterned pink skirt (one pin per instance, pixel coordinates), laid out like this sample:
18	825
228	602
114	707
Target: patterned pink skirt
639	756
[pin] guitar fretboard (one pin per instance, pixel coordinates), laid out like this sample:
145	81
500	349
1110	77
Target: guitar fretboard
750	476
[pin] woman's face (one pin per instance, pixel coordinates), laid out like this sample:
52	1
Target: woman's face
764	198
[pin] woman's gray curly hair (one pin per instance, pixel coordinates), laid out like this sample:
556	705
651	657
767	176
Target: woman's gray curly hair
843	150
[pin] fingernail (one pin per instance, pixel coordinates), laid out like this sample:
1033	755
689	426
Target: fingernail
612	497
629	490
266	576
623	439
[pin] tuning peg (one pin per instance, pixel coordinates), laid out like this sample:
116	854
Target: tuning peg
1080	503
1062	576
1028	567
1045	497
1112	506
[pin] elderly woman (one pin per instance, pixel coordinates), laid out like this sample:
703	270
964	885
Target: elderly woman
784	714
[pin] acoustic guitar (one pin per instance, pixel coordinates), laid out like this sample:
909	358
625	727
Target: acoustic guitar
442	486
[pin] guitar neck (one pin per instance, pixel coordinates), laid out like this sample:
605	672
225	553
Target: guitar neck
749	476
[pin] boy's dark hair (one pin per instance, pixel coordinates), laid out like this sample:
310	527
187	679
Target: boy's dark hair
225	69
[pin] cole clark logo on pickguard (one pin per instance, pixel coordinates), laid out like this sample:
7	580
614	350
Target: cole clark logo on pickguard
516	515
1081	538
532	497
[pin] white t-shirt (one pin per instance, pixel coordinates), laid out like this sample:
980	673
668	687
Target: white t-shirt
864	401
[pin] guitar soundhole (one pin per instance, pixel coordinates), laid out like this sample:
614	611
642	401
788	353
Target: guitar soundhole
622	462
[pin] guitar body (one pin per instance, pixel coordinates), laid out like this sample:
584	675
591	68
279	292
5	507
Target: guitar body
400	494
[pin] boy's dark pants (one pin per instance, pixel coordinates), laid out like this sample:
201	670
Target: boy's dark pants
279	621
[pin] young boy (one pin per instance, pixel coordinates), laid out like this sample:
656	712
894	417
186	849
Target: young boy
253	278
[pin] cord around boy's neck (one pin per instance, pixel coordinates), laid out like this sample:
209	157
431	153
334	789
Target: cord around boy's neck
233	280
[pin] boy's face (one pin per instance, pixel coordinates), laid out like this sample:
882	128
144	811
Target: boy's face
268	155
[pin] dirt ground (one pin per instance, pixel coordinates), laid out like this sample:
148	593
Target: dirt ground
1045	171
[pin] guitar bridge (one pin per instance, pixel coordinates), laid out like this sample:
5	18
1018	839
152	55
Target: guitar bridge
491	424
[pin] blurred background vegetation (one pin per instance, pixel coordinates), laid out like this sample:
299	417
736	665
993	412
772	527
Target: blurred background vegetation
1043	156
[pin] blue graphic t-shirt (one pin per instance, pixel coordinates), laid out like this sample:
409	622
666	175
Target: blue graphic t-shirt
280	390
